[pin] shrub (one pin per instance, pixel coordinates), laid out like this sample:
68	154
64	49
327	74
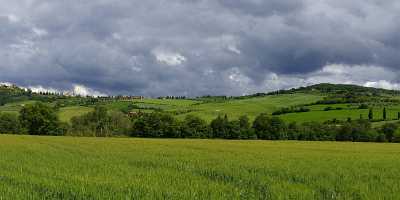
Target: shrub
328	108
156	124
194	127
291	110
9	124
270	128
40	119
100	123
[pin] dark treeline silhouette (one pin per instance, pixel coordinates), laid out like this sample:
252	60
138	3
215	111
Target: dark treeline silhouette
41	119
291	110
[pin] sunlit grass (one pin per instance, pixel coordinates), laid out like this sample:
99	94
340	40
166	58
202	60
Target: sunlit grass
65	114
15	107
118	168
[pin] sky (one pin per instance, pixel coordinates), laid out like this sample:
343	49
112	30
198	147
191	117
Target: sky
198	47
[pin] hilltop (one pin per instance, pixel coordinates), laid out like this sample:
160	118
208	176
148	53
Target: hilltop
13	91
329	88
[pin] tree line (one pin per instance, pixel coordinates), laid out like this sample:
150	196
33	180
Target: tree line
41	119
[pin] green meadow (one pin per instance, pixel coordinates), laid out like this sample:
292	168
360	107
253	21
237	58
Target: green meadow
66	113
15	107
250	107
123	168
232	108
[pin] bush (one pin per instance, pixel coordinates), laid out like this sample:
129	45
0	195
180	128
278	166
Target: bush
100	123
156	125
194	127
220	127
9	124
291	110
363	106
389	130
397	136
270	128
40	119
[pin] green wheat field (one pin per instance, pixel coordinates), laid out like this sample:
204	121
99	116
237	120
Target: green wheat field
124	168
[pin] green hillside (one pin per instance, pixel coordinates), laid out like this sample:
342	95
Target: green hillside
66	113
251	107
324	102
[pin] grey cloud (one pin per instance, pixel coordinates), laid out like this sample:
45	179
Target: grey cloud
223	47
263	8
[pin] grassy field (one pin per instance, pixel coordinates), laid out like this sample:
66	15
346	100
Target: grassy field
251	107
15	107
321	116
65	114
119	168
254	106
233	108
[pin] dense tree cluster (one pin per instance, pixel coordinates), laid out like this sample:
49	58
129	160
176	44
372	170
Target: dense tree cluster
100	123
164	125
41	119
329	108
9	124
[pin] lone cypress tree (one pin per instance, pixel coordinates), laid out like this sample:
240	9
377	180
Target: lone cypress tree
398	116
384	113
370	114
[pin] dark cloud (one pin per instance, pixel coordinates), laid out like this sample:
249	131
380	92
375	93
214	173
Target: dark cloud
195	47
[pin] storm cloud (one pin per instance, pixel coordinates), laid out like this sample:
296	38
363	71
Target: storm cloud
198	47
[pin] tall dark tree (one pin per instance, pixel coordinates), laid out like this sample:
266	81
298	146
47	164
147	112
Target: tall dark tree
384	113
293	131
270	128
194	127
220	127
234	130
277	129
261	125
244	122
245	128
371	114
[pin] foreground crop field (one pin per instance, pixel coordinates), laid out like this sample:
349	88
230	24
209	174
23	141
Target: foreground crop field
119	168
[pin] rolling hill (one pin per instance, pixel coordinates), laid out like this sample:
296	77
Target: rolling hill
322	101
